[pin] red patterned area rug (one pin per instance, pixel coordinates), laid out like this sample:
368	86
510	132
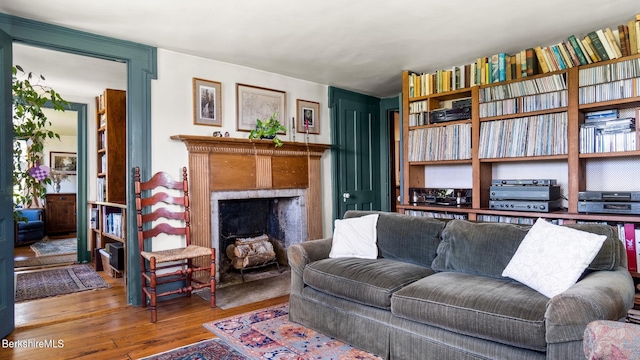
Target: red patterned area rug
268	334
58	281
214	349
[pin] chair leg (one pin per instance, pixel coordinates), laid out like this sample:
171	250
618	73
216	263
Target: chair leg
212	273
143	281
189	276
152	289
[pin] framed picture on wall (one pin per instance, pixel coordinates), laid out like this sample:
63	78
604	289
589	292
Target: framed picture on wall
259	103
308	116
64	162
207	102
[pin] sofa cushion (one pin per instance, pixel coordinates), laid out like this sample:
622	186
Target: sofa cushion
366	281
478	248
405	238
493	309
355	237
608	258
551	258
467	245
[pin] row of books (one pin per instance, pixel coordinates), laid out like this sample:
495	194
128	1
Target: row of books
597	45
516	219
101	189
535	86
611	136
627	69
546	101
93	218
622	89
436	214
451	142
527	136
113	224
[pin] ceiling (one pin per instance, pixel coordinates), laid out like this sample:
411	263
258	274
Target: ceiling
358	45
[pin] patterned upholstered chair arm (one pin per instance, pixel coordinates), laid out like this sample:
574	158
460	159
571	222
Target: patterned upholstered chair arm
611	340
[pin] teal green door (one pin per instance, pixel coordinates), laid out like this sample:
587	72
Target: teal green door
356	151
6	189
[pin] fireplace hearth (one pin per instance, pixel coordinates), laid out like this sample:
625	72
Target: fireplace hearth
279	215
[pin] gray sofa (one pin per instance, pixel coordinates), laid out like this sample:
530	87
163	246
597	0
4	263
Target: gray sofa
436	292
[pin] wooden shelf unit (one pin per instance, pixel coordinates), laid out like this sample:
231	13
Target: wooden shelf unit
482	167
111	154
111	150
107	223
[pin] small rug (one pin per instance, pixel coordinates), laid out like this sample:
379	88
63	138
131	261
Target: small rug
55	247
214	349
249	292
59	281
43	261
268	334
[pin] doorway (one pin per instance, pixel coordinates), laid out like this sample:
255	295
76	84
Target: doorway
79	79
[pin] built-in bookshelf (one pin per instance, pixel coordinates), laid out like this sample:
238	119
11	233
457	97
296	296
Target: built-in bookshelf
111	150
578	115
107	211
107	224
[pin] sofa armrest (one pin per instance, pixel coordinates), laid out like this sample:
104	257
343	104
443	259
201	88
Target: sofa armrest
304	253
601	295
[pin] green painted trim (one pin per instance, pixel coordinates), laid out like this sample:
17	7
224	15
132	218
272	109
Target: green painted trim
386	107
81	178
141	69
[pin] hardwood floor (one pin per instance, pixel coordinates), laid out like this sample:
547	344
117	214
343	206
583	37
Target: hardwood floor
100	325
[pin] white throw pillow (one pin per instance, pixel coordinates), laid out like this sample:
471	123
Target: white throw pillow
355	237
551	258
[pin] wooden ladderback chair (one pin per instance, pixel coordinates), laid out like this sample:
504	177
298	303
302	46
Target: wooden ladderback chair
163	211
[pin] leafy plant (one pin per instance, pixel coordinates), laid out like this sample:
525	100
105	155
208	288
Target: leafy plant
30	127
268	129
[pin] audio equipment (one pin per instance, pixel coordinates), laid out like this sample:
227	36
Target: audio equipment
442	115
609	196
535	206
116	250
524	192
537	182
609	207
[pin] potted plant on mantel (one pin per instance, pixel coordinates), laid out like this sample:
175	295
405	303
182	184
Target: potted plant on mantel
31	128
268	129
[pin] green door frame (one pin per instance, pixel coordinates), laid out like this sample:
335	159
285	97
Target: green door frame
387	106
141	63
82	176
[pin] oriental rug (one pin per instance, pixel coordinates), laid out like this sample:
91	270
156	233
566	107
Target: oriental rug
55	247
213	349
268	334
58	281
44	261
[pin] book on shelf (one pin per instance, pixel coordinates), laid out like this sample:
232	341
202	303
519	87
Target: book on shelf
598	46
633	41
613	42
577	49
629	237
531	62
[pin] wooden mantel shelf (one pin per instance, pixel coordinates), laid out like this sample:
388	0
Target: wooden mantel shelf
230	164
208	144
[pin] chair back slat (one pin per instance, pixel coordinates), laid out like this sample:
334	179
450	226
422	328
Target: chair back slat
163	204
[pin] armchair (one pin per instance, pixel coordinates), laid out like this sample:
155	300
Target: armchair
29	226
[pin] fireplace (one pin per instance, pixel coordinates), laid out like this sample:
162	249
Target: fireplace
280	214
228	168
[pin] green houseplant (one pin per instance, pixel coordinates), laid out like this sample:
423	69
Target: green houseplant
31	130
268	129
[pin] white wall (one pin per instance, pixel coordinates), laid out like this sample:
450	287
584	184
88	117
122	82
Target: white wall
172	110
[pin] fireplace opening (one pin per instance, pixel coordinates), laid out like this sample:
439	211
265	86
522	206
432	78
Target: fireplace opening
263	227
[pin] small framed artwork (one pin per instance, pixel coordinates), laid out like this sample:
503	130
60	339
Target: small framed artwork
259	103
207	102
64	162
308	116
